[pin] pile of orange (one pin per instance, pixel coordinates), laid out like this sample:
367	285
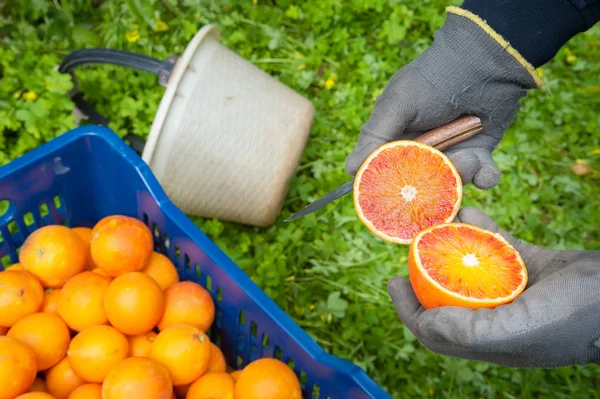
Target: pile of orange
97	313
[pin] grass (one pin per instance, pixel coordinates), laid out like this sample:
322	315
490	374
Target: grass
326	270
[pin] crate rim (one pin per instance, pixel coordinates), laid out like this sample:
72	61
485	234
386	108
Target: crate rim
211	248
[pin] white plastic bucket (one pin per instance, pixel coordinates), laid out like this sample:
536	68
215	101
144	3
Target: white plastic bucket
227	137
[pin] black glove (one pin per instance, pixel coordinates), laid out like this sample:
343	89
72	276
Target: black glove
467	70
555	322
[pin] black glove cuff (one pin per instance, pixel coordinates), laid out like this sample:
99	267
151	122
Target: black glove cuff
536	28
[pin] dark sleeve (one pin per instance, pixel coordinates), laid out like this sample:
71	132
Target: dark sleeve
537	29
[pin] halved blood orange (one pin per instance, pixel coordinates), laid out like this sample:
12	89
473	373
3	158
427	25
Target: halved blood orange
457	264
404	187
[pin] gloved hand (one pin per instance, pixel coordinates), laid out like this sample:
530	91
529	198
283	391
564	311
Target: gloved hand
465	71
555	322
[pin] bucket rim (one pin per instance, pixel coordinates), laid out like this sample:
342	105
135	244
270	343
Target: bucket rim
169	94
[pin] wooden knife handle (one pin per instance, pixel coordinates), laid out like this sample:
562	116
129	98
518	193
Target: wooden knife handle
452	133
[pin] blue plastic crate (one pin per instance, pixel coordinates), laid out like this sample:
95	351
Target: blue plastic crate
89	173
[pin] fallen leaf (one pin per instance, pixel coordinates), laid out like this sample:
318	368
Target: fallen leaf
593	89
581	168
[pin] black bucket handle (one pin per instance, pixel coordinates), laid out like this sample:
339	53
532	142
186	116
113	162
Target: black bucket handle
162	69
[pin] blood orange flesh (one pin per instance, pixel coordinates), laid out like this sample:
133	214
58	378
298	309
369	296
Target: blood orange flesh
404	187
458	264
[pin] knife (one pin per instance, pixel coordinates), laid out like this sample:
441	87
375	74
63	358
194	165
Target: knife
441	138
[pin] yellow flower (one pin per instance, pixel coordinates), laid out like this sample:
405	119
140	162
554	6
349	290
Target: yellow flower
30	96
571	58
540	72
329	83
161	26
132	35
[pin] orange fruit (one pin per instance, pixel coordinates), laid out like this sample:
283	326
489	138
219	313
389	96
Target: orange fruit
61	380
95	350
217	363
121	244
184	350
236	375
54	254
188	302
36	395
50	304
80	303
21	295
161	269
457	264
45	333
18	367
140	344
38	385
102	273
85	233
16	266
268	378
87	391
212	386
134	303
138	377
404	187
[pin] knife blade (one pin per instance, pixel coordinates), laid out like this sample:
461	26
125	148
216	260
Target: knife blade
441	138
324	200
